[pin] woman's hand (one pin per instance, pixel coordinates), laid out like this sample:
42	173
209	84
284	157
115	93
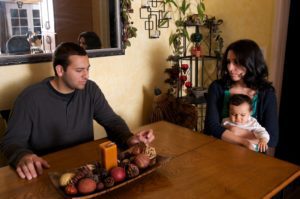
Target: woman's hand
244	133
145	136
232	137
246	143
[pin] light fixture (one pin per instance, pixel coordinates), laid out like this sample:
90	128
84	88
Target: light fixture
156	16
20	4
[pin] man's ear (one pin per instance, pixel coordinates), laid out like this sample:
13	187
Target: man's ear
59	70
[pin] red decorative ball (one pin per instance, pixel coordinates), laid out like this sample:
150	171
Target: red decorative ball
188	84
71	189
86	186
118	174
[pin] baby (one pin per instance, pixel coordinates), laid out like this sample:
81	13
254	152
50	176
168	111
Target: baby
240	107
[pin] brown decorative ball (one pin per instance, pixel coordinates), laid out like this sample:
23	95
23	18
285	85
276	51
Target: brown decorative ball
100	186
132	171
142	161
109	181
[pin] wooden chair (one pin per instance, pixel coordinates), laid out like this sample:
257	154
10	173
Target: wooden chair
3	161
18	45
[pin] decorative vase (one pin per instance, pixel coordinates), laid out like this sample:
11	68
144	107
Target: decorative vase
196	50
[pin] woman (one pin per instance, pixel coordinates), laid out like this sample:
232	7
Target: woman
89	40
243	71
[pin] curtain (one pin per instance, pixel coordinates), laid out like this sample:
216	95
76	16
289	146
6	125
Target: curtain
4	35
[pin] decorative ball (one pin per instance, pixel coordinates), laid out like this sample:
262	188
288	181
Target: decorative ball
196	37
142	161
132	171
86	186
71	189
100	186
118	174
109	181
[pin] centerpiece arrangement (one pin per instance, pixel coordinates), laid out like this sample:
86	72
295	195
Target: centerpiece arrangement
103	176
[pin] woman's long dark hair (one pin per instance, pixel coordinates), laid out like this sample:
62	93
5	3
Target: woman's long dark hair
248	55
92	40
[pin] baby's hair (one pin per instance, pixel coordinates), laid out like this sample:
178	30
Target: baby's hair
238	99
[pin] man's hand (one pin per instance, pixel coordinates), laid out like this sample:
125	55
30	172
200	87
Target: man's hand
145	136
30	166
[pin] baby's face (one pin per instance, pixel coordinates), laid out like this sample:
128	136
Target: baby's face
239	114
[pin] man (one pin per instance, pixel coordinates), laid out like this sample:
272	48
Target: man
58	113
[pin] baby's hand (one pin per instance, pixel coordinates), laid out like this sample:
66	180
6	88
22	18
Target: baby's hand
262	145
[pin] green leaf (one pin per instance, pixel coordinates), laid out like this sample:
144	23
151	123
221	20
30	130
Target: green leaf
184	7
202	6
162	22
200	10
170	2
186	34
171	39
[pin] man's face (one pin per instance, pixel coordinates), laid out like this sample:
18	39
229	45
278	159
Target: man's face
77	72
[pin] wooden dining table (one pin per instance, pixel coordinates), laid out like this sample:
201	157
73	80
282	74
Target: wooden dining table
200	166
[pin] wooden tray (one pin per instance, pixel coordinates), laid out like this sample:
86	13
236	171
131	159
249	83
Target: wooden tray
54	178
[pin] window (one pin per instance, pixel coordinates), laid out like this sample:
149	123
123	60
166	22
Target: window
23	20
36	19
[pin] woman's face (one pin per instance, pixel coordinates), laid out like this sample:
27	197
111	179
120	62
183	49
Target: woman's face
236	71
82	42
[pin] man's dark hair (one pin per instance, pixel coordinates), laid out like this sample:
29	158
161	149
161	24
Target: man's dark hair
238	99
64	51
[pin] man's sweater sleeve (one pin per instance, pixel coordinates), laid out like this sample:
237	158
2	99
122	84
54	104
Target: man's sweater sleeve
116	128
14	144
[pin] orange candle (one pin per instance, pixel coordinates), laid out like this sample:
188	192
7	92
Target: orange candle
109	157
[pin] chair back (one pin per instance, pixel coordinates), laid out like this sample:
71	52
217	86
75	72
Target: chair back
3	161
18	45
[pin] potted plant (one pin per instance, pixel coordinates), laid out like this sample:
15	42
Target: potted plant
129	29
175	39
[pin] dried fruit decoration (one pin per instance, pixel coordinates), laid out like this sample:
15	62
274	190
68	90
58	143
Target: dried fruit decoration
138	148
82	172
66	178
109	181
132	170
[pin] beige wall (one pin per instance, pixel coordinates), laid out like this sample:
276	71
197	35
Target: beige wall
263	21
128	81
251	19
